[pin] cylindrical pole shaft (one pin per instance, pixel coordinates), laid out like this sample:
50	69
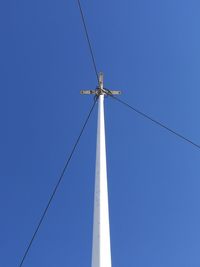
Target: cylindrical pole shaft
101	251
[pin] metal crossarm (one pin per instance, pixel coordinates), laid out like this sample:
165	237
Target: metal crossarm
112	92
88	92
100	90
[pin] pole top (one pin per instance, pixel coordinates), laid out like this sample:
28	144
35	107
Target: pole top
100	90
101	80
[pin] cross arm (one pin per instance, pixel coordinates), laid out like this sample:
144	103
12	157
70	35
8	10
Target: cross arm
88	92
99	91
113	92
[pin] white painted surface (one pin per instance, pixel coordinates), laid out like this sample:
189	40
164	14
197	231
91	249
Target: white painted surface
101	252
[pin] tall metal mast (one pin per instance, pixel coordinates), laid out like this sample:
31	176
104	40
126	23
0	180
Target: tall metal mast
101	250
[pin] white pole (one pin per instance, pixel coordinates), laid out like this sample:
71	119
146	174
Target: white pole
101	252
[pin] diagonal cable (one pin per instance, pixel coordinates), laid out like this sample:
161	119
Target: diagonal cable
56	186
88	40
154	121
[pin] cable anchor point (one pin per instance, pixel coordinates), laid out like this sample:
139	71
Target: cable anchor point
100	90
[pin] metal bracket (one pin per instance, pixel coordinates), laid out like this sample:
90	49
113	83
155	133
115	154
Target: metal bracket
88	92
100	90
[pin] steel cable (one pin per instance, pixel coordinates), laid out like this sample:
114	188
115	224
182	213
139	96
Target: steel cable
154	121
88	40
56	186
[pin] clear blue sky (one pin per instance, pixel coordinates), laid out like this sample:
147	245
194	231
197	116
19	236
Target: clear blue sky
149	50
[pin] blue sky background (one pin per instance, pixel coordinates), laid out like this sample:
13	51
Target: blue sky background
149	50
